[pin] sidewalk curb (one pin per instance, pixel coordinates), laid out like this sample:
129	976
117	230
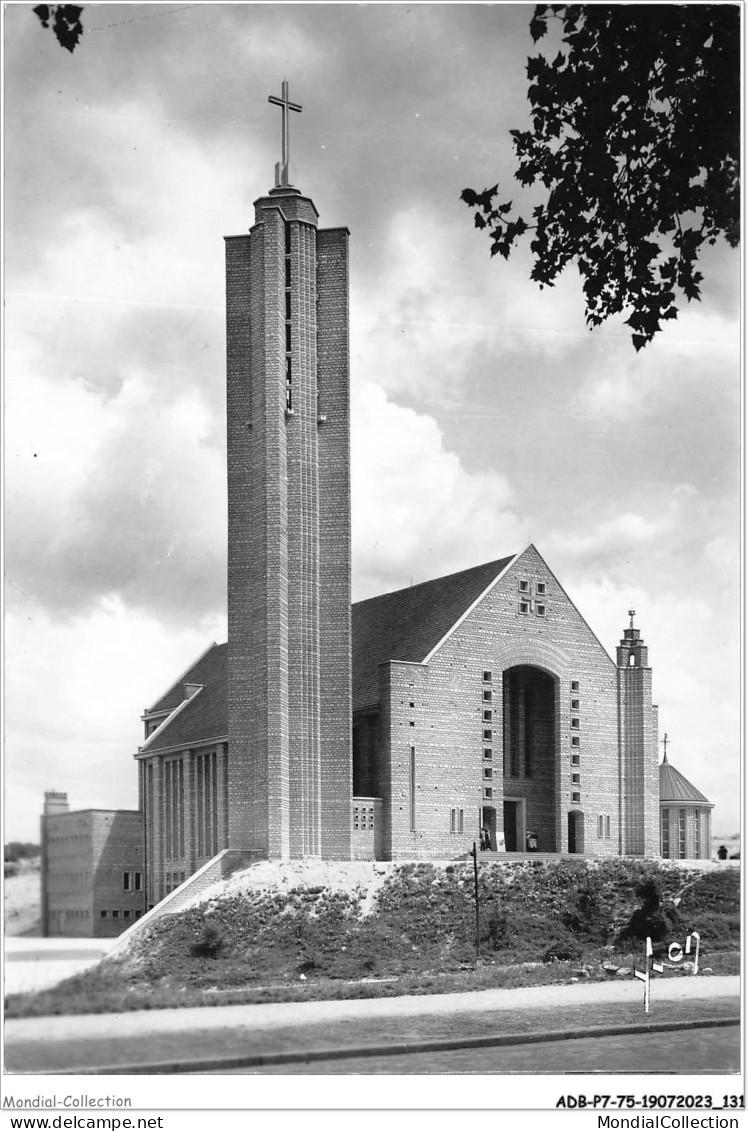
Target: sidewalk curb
258	1060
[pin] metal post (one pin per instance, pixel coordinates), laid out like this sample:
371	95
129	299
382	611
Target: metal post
474	855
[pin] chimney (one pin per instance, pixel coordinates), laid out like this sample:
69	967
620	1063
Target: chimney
55	803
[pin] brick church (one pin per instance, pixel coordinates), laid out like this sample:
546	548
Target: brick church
407	725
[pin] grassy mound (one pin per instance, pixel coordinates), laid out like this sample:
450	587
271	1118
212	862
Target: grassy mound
422	928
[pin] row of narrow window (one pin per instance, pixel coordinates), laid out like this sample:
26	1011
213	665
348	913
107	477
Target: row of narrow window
58	879
119	913
524	587
206	787
576	776
526	607
681	826
487	785
289	373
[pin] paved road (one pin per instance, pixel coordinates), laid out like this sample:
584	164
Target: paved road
33	964
696	1051
86	1041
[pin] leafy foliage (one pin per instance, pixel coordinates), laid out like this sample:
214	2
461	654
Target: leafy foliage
209	941
636	139
655	919
20	850
65	20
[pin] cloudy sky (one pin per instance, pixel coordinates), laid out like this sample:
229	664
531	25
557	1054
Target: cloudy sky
126	164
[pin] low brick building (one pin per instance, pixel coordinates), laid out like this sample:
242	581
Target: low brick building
92	874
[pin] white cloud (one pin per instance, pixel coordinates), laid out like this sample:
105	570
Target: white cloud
424	310
700	349
74	696
123	496
693	652
418	513
611	536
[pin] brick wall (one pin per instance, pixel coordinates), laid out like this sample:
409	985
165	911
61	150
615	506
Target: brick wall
289	777
333	384
87	854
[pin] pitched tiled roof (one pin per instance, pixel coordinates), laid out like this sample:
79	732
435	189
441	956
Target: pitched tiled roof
408	624
206	715
674	787
405	625
202	671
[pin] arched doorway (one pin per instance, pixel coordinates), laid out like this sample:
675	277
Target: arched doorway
531	739
576	831
488	822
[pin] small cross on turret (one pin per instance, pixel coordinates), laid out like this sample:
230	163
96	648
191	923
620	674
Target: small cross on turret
281	168
632	614
664	741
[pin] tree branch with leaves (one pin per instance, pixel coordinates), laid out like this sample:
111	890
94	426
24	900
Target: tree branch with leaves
65	21
636	139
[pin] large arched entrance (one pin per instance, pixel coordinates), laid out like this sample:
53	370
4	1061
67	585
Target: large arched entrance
530	716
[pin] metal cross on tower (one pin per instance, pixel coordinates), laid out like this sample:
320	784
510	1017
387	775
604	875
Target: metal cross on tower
665	741
632	614
281	168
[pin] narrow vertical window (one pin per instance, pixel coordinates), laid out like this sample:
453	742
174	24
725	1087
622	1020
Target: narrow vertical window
168	809
200	796
665	847
214	814
289	388
181	807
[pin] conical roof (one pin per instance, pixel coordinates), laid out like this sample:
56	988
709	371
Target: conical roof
674	787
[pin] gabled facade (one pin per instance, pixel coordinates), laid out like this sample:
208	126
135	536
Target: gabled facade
484	701
481	701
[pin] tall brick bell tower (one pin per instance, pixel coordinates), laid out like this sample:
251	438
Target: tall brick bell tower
289	529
